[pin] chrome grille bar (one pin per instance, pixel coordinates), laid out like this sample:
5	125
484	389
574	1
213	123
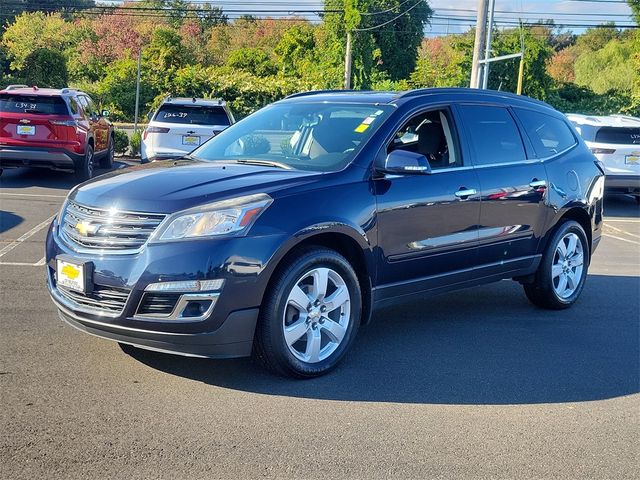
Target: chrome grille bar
100	229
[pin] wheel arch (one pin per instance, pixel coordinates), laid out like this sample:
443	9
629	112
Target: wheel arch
343	239
577	213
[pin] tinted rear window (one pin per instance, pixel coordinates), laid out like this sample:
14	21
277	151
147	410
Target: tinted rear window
549	135
194	115
493	133
619	135
35	104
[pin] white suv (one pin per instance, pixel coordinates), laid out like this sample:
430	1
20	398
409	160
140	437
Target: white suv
182	124
615	141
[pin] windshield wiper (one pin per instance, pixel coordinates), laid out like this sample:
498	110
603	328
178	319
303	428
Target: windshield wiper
33	110
266	163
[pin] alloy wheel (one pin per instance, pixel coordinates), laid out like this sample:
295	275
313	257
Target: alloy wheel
567	266
316	315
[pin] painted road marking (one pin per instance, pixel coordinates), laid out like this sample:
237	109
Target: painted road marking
27	235
32	195
623	231
621	239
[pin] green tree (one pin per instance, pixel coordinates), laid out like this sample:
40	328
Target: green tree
45	68
117	90
32	31
295	48
164	56
13	8
252	60
609	68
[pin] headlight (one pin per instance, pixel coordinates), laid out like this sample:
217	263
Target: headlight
214	219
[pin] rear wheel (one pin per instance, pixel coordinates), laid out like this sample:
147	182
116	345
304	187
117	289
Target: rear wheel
107	160
85	170
310	315
563	270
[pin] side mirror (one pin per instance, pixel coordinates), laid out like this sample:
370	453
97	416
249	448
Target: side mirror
106	113
402	162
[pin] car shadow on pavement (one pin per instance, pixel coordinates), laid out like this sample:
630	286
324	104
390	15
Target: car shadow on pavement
486	345
9	220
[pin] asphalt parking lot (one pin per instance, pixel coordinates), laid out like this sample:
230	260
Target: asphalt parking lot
472	384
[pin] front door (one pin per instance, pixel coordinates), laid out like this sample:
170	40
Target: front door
427	224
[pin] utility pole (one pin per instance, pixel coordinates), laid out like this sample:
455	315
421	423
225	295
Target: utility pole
481	24
348	59
135	123
487	47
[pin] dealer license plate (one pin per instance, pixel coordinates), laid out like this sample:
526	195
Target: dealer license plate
633	159
190	140
71	275
26	130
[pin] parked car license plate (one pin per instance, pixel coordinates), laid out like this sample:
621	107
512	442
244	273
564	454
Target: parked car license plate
26	130
190	140
633	159
71	275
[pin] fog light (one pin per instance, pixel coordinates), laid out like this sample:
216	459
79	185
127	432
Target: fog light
196	308
187	286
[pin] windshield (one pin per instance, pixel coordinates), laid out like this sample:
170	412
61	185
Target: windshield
305	136
192	115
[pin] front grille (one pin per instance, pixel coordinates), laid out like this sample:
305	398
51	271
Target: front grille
102	299
158	304
94	228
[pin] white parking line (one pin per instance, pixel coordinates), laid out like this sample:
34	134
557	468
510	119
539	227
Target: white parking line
623	231
621	220
31	195
621	239
24	237
22	264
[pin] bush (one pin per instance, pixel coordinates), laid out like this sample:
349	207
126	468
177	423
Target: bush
570	98
121	141
136	140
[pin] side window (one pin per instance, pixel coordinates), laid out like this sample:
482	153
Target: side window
73	106
88	105
548	134
493	134
432	135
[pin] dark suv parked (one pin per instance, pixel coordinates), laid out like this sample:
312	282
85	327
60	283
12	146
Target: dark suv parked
283	233
53	128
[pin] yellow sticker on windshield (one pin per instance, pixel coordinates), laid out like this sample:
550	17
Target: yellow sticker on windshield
361	128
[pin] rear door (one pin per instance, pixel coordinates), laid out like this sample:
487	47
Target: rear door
513	184
188	126
33	120
97	124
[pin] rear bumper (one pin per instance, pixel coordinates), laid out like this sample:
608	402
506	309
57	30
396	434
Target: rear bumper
52	158
622	183
234	338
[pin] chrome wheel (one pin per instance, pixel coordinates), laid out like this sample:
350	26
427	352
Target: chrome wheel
316	315
567	266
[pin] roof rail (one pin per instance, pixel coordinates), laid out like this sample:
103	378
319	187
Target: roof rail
67	90
15	87
318	92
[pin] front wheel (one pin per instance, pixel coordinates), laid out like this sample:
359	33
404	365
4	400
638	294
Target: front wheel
563	270
310	315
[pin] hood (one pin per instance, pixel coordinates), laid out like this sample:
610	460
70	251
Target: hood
170	186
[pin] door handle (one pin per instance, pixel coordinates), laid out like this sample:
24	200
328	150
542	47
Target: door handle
535	183
465	192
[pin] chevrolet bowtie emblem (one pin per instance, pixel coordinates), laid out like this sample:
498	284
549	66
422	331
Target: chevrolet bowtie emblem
24	120
86	229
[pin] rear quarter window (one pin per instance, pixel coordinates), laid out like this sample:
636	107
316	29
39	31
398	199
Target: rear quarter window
193	115
33	104
549	135
493	134
618	135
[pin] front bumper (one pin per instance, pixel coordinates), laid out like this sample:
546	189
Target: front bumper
227	331
52	158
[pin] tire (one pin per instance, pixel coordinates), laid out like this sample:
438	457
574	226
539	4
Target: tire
85	170
560	279
107	160
286	327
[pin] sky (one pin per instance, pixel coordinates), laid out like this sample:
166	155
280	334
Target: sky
456	16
